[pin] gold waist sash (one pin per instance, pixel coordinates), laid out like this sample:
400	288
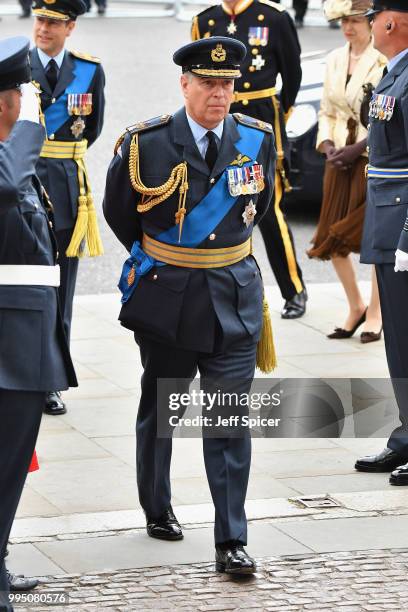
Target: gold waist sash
86	231
195	258
239	96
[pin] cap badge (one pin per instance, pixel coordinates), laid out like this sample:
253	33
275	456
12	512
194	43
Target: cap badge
218	54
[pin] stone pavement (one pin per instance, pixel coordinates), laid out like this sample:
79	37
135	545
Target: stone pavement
368	581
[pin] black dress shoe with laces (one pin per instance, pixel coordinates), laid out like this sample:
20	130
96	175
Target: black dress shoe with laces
386	461
19	583
231	558
295	307
165	527
399	477
54	404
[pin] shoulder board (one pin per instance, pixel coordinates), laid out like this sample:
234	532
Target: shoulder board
257	124
274	5
142	126
86	57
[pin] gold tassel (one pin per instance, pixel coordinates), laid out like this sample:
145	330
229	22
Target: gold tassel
265	351
93	237
76	247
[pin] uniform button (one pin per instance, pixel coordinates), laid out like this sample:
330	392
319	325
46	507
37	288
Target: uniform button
368	149
211	22
212	236
57	254
154	276
36	206
398	200
255	51
51	136
212	181
245	102
53	101
247	85
261	17
252	69
50	224
369	126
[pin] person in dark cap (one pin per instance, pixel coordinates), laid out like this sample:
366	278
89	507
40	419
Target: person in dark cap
385	235
72	102
34	354
192	291
273	49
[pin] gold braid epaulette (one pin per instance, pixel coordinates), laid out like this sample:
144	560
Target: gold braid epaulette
151	196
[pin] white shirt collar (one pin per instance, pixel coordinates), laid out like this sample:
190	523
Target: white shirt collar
199	131
394	60
44	58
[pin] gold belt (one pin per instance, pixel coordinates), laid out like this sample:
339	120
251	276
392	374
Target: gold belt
60	149
86	231
240	96
195	258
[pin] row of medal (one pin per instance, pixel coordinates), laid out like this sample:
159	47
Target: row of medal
382	107
258	36
246	180
80	104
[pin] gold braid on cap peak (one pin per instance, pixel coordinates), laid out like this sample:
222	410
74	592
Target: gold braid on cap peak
151	196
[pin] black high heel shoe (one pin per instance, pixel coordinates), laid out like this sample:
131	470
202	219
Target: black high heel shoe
340	333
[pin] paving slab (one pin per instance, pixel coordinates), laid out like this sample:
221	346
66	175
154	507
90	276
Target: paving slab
29	560
338	483
350	534
138	550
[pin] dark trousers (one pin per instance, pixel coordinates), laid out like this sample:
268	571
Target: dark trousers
227	460
280	247
300	8
20	414
26	5
69	272
393	288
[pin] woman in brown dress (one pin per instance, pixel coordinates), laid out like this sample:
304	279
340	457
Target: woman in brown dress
351	71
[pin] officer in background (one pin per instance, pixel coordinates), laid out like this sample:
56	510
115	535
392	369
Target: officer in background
192	291
267	31
34	355
385	236
72	101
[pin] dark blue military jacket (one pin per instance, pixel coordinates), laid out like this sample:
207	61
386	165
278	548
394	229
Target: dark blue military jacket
184	306
34	354
60	176
387	199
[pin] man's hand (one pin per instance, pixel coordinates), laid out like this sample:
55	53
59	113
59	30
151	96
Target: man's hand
328	149
30	105
345	156
401	261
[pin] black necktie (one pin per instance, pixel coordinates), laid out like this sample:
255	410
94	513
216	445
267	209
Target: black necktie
385	72
51	72
212	150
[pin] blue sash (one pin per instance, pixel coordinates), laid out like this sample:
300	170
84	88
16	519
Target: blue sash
57	114
199	223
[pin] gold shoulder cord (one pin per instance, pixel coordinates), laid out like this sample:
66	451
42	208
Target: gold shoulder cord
151	196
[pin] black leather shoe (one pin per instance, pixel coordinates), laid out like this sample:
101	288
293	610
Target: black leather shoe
399	477
165	527
21	583
54	404
386	461
295	307
232	558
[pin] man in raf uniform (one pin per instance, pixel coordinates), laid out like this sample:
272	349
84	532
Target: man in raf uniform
385	237
72	101
273	48
192	292
34	355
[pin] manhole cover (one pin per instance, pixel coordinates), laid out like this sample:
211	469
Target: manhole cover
322	501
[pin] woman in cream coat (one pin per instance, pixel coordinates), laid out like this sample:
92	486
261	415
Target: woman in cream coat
351	71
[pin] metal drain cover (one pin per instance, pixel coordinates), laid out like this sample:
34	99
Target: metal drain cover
316	501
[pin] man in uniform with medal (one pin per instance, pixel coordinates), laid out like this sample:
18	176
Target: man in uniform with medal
72	102
385	236
192	291
269	35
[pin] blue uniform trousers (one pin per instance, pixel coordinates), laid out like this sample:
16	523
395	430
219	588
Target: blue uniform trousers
227	460
393	287
20	418
69	271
